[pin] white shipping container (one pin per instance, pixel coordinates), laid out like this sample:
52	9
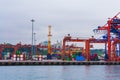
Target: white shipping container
18	59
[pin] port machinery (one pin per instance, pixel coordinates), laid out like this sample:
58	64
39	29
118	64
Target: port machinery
86	41
112	27
49	39
72	49
20	46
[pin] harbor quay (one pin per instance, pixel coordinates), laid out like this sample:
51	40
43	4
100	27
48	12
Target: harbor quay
55	62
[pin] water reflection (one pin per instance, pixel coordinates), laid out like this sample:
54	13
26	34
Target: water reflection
112	72
60	72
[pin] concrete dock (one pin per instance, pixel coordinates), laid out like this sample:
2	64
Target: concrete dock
53	62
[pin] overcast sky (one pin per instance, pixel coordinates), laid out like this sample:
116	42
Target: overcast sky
75	17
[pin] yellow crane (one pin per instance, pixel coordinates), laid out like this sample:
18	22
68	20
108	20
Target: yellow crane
49	39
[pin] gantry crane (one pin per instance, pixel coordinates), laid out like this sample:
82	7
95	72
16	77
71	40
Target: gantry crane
49	39
86	41
112	26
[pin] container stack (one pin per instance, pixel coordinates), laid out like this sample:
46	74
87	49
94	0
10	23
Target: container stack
73	57
49	56
78	56
14	57
118	58
18	57
40	58
94	57
21	57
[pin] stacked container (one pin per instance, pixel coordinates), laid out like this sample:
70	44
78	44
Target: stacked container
94	57
21	57
14	57
40	58
18	57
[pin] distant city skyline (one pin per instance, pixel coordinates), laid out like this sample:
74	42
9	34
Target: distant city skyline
75	17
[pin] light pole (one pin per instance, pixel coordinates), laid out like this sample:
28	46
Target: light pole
32	38
34	43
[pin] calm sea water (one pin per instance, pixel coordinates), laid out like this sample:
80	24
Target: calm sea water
102	72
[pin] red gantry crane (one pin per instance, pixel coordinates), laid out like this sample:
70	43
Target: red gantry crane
112	26
70	39
86	41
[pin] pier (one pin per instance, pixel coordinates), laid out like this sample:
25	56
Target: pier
52	63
